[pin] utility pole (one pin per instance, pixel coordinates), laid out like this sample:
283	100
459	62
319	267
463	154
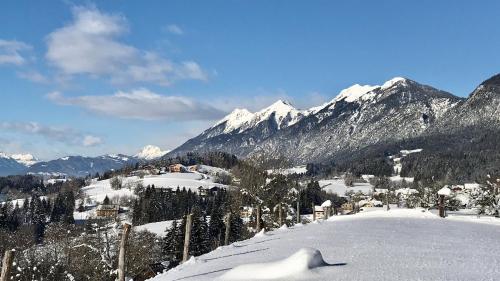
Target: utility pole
121	256
187	237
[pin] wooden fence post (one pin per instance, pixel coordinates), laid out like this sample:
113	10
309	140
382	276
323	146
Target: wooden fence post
8	258
441	206
298	211
387	200
280	214
228	228
121	256
187	238
314	211
258	218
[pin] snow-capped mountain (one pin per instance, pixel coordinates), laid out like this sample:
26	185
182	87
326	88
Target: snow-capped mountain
81	166
481	109
243	129
150	152
10	166
356	117
25	159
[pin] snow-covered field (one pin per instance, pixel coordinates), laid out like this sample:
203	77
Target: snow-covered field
289	171
100	189
400	244
157	228
338	186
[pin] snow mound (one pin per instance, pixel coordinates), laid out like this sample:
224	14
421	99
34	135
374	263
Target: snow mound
262	233
283	227
298	264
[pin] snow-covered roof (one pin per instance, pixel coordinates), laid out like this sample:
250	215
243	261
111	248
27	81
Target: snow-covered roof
445	191
318	209
327	203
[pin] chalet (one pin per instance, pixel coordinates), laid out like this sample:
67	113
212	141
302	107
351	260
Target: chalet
150	271
246	213
177	168
347	206
319	212
107	211
193	168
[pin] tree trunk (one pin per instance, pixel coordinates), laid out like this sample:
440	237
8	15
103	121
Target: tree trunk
187	238
228	229
121	257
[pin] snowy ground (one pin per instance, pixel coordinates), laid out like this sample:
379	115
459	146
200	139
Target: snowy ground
100	189
157	228
289	171
338	186
397	245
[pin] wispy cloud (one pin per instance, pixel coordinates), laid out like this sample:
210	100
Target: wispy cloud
174	29
90	45
141	104
59	134
10	52
33	76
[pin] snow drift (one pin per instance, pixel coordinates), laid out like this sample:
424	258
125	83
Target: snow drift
298	264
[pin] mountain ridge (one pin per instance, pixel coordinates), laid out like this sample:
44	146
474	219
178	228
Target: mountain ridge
359	115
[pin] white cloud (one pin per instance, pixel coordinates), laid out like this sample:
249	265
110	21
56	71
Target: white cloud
89	140
59	134
174	29
142	104
90	45
10	52
33	76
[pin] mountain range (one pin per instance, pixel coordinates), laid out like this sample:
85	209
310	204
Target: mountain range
78	166
400	111
359	116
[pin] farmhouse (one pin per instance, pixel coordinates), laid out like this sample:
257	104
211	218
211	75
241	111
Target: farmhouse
177	168
107	211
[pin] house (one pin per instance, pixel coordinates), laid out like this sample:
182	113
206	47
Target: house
150	271
177	168
107	211
193	168
246	213
347	206
319	212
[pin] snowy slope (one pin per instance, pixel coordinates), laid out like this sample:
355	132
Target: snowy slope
98	190
338	186
378	245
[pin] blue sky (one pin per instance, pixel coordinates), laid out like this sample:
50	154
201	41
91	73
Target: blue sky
112	76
